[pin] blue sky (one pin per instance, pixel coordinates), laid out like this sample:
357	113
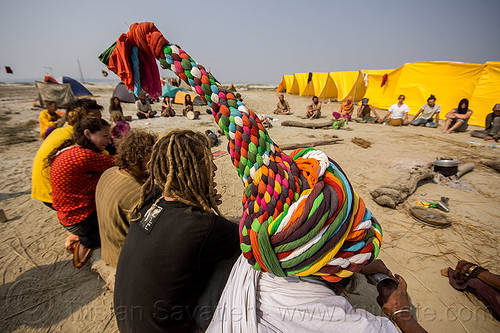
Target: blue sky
251	41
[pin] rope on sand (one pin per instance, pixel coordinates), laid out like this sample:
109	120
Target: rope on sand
301	216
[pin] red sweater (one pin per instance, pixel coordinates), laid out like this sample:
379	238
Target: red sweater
74	175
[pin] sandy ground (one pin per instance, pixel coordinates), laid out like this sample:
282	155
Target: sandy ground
40	291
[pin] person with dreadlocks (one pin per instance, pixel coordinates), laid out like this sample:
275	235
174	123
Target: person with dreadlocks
175	242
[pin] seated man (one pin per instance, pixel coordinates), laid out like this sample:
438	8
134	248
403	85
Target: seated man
428	112
363	115
282	107
397	113
491	127
176	241
119	189
457	118
144	109
313	111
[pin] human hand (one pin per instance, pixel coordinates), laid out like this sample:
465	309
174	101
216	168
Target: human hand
489	138
376	266
217	196
396	300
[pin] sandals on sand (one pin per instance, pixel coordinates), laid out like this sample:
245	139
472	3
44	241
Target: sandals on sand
81	254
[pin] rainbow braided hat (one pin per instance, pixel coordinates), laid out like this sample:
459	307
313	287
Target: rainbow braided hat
301	216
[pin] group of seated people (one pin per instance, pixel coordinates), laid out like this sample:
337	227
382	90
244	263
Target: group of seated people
151	204
397	115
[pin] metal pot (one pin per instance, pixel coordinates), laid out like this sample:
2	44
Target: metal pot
446	167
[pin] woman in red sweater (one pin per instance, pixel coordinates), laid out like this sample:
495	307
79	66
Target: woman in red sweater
76	166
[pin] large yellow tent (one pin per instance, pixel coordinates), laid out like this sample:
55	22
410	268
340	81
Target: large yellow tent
344	82
448	81
487	92
305	84
324	87
288	84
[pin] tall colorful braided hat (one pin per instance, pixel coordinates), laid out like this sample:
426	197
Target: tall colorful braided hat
301	216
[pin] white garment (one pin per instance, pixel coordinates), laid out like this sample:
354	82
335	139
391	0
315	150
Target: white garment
398	112
253	301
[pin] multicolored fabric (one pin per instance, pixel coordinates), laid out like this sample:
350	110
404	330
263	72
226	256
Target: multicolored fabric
301	216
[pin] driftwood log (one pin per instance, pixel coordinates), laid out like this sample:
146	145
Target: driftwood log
397	192
493	163
322	142
308	123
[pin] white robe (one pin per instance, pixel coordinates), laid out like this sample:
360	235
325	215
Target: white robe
253	301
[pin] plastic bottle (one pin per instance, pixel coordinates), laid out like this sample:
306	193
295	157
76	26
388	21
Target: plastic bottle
476	143
494	146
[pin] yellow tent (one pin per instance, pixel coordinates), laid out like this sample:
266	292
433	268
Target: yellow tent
486	93
305	84
448	81
345	82
324	87
288	84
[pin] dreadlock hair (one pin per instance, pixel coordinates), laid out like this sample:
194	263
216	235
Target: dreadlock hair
181	166
92	124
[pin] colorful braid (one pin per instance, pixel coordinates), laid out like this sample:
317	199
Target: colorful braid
301	216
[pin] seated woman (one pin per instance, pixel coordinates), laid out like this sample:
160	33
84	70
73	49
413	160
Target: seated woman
313	111
166	107
76	166
344	115
115	105
188	110
175	240
457	118
49	119
41	189
282	107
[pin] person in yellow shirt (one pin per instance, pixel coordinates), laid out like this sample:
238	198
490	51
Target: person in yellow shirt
49	119
40	174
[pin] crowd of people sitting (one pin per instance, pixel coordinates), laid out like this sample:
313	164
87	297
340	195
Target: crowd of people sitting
151	205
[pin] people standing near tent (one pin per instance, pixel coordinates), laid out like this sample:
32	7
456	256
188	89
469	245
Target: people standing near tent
397	113
313	110
119	189
176	242
76	166
188	110
166	107
144	109
491	127
41	188
49	119
282	107
428	111
457	118
363	114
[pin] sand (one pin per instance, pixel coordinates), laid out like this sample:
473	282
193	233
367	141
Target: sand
40	290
